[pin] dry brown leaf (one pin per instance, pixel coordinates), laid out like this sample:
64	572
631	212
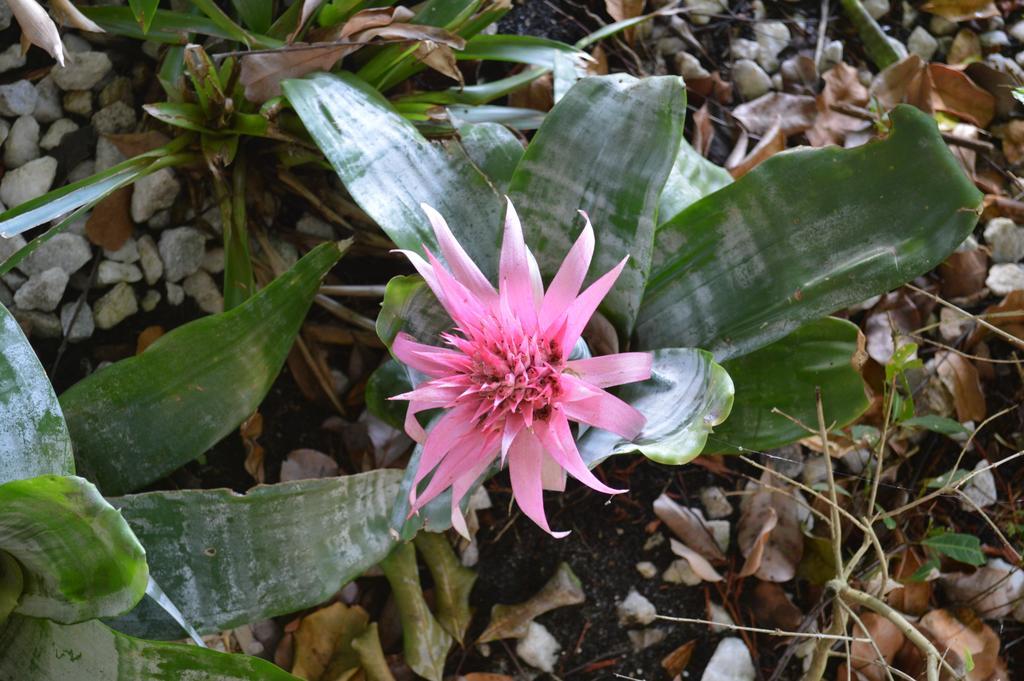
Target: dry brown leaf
784	547
995	590
1012	136
620	10
1007	314
484	676
689	525
700	566
888	639
901	82
961	10
966	48
953	636
307	464
755	555
963	273
953	92
675	663
250	430
711	87
797	113
323	642
912	598
37	28
513	621
773	609
110	223
703	130
147	337
135	143
895	315
960	377
538	94
439	57
842	86
772	143
308	7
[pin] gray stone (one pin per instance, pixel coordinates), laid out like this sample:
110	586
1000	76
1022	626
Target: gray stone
730	662
181	250
14	279
10	245
1005	240
55	133
83	325
1017	31
22	143
538	648
901	49
6	295
175	294
82	71
715	503
17	99
647	569
910	15
980	489
314	226
680	572
12	58
107	155
750	79
160	220
38	324
47	108
149	260
641	639
28	182
82	170
635	610
741	48
701	11
5	16
116	118
5	130
877	8
42	291
76	43
154	193
831	55
922	43
772	37
994	39
687	66
115	306
113	272
78	102
150	300
118	89
213	261
65	250
129	252
941	26
201	287
1004	278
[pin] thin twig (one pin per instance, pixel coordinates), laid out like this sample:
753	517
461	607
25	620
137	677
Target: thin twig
759	630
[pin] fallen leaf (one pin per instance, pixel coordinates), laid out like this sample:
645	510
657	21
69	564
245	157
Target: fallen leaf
700	566
37	28
962	639
1007	314
966	48
773	609
440	58
689	525
513	621
889	322
1012	136
147	337
110	223
994	591
711	87
888	640
675	663
755	553
135	143
781	551
842	86
953	92
913	597
961	10
901	82
620	10
250	430
371	655
538	94
703	130
323	641
307	464
797	113
963	273
772	143
960	377
452	583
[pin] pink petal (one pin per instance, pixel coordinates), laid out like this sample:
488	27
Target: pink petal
567	282
462	266
462	305
552	475
466	454
595	407
536	282
460	487
557	439
609	370
524	467
428	359
443	436
514	279
582	309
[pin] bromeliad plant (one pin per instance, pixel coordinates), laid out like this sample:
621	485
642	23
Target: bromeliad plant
747	269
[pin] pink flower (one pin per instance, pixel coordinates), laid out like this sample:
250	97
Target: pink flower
506	379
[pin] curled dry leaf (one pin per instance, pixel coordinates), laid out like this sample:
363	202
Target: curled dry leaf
1007	315
675	663
1012	135
888	641
773	609
37	28
620	10
933	87
913	597
307	464
250	430
966	48
842	86
797	113
323	641
965	638
700	566
993	591
782	547
513	621
960	377
772	143
689	525
963	273
961	10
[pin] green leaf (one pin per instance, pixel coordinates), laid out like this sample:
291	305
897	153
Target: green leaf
784	376
950	477
687	395
921	573
965	548
692	178
41	650
80	560
425	643
167	27
227	559
936	424
386	381
371	655
143	417
494	149
876	44
389	168
12	584
144	11
409	305
607	149
185	115
453	583
33	436
258	15
519	49
751	262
